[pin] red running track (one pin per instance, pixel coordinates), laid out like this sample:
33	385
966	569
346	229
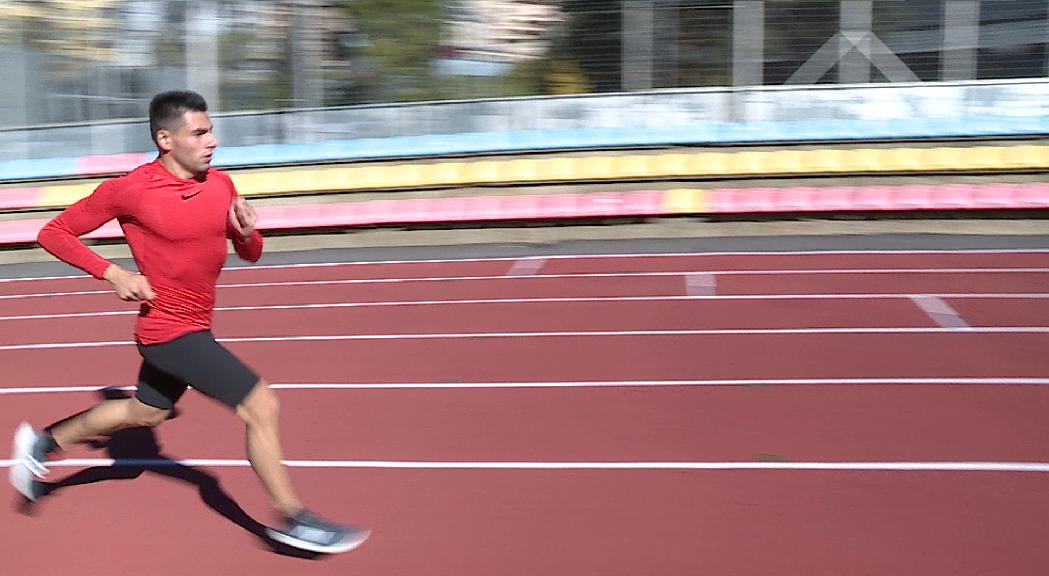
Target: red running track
790	390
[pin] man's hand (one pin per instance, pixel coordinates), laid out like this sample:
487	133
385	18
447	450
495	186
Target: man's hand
242	217
130	287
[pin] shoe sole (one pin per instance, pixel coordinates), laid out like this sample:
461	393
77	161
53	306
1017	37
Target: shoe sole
345	546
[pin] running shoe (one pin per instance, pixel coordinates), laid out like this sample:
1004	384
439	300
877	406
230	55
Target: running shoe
28	461
307	531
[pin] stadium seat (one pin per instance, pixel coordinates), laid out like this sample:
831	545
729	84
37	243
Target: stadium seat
670	164
942	159
64	195
707	164
746	163
861	161
820	161
632	166
685	201
594	167
519	170
556	169
442	173
481	172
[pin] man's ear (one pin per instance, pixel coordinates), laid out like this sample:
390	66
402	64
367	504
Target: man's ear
164	140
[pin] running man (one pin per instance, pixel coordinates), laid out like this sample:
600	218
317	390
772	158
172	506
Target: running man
176	213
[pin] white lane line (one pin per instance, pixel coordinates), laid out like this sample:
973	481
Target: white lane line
526	267
588	257
941	312
701	284
593	384
499	465
568	334
742	272
542	300
71	315
46	294
354	281
60	389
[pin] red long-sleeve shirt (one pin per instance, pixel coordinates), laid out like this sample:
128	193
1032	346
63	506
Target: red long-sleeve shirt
177	231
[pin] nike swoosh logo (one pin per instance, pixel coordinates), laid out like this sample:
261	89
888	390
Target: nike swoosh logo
188	195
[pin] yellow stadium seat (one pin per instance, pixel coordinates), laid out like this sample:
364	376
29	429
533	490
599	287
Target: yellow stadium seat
820	161
403	176
1030	156
746	163
708	164
860	160
902	159
942	158
277	182
297	181
983	157
443	173
556	169
685	201
670	164
328	179
631	166
246	183
364	177
272	182
65	195
519	170
594	168
479	172
784	162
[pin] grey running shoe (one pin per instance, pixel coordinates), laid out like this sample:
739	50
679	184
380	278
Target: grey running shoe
28	461
307	531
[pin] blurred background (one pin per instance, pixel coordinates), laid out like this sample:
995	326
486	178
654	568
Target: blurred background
84	60
375	79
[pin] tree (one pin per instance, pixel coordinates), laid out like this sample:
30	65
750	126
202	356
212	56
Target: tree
403	36
594	41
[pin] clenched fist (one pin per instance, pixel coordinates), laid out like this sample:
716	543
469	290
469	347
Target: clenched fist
242	217
129	286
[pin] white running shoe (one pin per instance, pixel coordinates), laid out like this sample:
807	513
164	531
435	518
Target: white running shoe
307	531
28	461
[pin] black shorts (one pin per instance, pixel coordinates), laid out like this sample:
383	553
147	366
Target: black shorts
196	360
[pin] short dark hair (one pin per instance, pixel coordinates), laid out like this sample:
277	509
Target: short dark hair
166	109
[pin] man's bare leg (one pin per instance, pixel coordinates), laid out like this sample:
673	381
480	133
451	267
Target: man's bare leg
261	411
304	530
32	448
106	418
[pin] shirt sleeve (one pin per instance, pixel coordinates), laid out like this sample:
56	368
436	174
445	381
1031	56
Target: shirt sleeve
250	248
61	236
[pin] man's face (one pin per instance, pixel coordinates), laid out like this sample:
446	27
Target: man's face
191	144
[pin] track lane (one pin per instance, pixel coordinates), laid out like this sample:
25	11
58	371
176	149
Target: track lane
868	423
727	522
562	287
518	317
1000	311
585	523
898	283
586	264
579	358
825	260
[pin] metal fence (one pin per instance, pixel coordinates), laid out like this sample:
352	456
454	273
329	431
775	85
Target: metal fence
683	108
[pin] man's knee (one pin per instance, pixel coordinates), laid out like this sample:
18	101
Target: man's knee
144	415
260	406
